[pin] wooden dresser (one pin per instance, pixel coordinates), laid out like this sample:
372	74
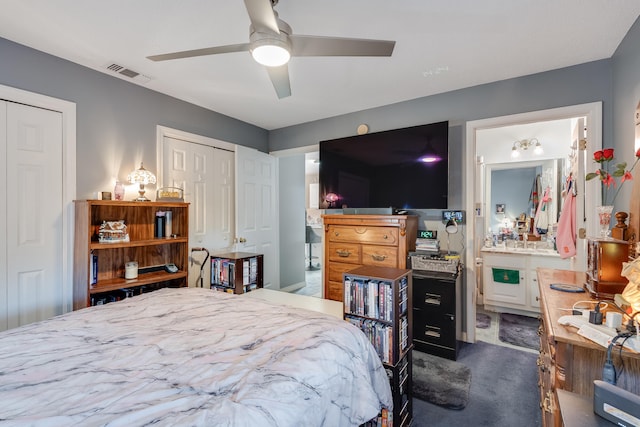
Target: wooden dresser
568	361
351	241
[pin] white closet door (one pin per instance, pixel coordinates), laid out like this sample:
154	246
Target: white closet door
207	176
4	274
34	288
257	210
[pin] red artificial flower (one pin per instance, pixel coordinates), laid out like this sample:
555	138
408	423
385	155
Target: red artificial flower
598	156
608	154
608	179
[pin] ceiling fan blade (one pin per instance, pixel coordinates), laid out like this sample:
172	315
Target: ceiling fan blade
242	47
262	15
280	78
339	46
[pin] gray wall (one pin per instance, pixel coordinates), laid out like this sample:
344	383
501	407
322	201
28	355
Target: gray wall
585	83
292	219
626	95
116	120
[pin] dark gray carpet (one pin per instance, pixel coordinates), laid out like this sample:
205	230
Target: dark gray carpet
483	321
504	391
519	330
440	381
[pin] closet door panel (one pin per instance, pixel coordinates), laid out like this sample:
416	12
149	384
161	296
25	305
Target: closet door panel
34	214
4	307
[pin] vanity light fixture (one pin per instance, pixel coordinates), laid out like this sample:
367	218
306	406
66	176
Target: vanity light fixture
141	176
525	144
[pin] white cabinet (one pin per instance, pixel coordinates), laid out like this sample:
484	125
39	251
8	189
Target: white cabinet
510	281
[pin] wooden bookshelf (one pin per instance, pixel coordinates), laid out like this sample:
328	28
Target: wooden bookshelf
142	247
237	272
379	301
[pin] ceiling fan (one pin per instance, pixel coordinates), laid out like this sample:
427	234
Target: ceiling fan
272	43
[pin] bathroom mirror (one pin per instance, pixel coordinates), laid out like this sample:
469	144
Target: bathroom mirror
511	159
520	187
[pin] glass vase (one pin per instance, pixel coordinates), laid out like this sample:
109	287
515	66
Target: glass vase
118	191
604	217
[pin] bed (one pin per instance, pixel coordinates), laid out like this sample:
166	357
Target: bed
190	356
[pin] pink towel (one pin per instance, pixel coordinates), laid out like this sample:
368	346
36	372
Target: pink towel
566	238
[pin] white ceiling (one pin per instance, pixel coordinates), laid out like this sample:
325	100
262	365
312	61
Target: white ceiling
441	45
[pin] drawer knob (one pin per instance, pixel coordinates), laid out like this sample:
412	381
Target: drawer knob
385	237
378	257
343	253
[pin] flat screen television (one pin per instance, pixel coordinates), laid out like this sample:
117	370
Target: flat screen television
401	169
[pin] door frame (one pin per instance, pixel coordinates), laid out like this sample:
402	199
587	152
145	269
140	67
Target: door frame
294	234
68	111
593	113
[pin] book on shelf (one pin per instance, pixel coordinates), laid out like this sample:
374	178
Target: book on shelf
245	272
368	297
93	269
222	272
253	269
222	288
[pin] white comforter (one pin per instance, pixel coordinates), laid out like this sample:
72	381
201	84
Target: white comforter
190	357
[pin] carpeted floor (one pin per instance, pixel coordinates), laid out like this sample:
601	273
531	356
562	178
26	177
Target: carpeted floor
504	391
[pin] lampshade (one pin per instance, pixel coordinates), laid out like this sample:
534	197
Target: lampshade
143	177
451	227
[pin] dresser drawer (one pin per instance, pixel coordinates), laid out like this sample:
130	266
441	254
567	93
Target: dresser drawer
434	294
364	234
334	290
382	256
434	328
344	252
336	269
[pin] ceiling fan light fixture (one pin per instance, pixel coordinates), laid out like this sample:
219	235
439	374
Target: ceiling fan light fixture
270	51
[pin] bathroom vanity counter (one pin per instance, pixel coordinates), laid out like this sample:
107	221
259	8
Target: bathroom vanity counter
546	252
510	282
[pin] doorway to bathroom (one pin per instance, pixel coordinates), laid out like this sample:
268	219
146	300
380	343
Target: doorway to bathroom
503	134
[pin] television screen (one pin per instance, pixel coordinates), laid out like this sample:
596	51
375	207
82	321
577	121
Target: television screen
403	169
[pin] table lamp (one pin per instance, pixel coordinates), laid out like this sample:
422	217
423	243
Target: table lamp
141	176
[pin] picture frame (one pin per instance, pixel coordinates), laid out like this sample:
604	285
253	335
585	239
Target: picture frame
501	208
170	194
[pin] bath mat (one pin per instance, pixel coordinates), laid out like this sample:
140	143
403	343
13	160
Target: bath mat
440	381
521	331
483	320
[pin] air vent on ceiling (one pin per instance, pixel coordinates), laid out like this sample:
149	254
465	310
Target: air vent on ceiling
126	72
